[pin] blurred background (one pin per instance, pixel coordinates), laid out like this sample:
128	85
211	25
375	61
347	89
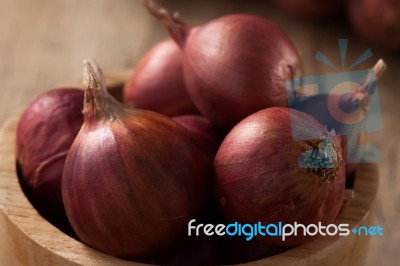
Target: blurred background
43	43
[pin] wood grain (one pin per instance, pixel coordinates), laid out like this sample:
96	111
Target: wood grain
43	42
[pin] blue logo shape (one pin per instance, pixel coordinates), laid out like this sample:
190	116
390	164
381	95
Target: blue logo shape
334	101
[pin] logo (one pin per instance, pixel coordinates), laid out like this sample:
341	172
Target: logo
346	102
280	230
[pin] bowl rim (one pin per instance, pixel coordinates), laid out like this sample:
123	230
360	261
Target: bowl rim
32	226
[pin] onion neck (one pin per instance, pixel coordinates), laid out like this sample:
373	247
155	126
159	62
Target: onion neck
98	103
176	28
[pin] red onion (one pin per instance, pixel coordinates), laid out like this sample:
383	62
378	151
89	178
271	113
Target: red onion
312	9
264	175
202	132
157	83
45	133
131	181
376	20
317	107
234	65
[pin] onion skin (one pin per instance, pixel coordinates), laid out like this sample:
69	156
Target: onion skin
377	21
234	65
202	132
312	9
45	133
157	83
131	181
259	179
232	69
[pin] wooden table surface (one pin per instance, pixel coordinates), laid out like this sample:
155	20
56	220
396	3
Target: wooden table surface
43	42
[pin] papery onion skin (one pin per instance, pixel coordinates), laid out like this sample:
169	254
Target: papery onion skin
312	9
157	82
131	181
259	179
45	133
202	131
377	21
234	65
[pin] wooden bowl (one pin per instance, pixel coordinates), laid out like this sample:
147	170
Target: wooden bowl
28	239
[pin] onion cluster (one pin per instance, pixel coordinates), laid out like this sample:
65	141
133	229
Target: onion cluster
204	133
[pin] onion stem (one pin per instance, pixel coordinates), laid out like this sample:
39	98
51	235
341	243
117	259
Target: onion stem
177	28
160	12
369	85
98	102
